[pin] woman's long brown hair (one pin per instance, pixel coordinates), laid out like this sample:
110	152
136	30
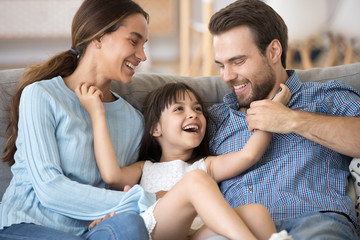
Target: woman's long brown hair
93	19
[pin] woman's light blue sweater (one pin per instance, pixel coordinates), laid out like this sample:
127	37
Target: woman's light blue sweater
56	181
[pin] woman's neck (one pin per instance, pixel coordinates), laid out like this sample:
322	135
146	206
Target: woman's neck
80	76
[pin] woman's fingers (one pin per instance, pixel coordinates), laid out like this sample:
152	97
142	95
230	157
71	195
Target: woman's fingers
97	221
94	223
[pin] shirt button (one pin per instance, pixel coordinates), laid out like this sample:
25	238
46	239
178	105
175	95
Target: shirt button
250	189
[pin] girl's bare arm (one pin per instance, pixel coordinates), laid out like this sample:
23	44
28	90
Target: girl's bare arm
111	172
232	164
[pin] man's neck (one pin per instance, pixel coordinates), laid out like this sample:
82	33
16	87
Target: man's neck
243	109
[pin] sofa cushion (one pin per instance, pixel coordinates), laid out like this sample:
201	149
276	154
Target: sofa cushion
8	83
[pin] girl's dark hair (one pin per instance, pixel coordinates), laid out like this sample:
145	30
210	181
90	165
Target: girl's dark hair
93	19
154	104
265	24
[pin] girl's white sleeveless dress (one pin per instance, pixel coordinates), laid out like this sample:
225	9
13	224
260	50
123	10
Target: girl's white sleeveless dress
162	176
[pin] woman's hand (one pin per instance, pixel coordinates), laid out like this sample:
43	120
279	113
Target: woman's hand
90	98
97	221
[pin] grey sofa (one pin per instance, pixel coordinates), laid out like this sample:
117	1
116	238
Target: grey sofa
211	88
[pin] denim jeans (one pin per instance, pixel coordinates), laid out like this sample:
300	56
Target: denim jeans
318	226
121	226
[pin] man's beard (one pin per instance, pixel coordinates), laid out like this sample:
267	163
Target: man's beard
260	89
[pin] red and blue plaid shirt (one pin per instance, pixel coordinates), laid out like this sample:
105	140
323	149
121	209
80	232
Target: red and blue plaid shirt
295	175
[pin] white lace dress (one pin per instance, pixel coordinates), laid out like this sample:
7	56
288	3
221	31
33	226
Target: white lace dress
162	176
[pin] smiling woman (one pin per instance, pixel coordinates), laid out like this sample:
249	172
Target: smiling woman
117	54
53	132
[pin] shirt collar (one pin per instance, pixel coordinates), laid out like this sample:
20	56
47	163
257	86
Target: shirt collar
293	83
230	99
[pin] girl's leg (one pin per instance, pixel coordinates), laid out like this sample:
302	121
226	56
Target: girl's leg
204	233
258	219
255	216
197	193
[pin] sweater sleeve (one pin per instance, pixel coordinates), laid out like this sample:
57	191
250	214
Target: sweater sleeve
56	191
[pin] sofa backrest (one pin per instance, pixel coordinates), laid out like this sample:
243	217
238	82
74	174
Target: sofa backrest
212	90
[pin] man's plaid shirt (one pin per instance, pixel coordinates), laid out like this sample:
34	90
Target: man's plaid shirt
295	175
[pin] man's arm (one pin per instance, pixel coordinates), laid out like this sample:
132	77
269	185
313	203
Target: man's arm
340	134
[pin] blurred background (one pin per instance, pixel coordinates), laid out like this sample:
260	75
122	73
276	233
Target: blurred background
322	33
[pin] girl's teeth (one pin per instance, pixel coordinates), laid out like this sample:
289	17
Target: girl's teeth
192	128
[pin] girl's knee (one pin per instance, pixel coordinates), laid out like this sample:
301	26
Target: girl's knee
198	177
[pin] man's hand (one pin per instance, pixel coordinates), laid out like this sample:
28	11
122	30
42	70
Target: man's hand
270	116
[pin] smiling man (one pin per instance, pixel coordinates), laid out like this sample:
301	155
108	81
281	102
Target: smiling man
302	177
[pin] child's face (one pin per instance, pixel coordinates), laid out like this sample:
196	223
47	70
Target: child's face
182	125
